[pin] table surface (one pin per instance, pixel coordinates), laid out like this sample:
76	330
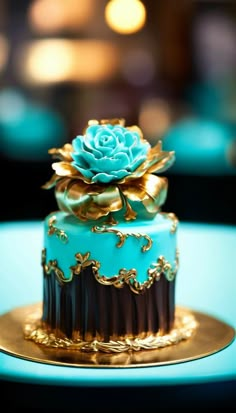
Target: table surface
206	283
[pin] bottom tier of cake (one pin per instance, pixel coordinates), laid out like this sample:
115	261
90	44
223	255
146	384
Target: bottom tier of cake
86	315
87	310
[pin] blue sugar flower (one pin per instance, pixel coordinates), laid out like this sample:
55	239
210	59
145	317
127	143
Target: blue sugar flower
108	153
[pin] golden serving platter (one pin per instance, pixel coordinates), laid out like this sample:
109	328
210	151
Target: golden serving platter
212	335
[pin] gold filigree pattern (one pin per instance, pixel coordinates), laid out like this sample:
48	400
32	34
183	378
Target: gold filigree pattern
123	236
128	277
54	230
82	262
184	327
173	218
52	266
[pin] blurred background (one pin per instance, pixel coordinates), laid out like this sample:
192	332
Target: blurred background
168	66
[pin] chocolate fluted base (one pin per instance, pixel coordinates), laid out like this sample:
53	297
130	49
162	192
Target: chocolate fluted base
86	310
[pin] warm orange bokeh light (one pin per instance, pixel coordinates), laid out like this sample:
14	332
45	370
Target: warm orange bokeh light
125	16
4	49
51	16
59	60
154	118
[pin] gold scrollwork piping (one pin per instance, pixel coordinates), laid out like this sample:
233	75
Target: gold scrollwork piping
52	266
122	236
54	230
82	262
158	268
162	266
173	218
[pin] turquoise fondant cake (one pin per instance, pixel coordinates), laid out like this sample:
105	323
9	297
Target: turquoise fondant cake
110	254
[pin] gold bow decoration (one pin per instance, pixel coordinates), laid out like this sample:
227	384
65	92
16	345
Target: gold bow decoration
90	201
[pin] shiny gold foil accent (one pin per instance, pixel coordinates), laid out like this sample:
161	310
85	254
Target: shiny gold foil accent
86	201
174	219
93	201
124	277
123	236
54	230
76	194
184	327
64	153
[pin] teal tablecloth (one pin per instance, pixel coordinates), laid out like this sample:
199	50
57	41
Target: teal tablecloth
206	283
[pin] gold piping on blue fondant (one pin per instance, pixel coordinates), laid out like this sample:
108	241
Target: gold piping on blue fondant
173	218
122	236
54	230
129	277
52	266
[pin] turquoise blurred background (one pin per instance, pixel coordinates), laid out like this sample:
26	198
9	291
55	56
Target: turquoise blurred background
174	76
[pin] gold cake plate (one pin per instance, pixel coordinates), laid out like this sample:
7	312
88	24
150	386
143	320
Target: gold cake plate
211	336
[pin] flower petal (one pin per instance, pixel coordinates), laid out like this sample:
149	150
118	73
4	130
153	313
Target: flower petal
87	201
158	160
52	182
107	178
84	171
63	153
77	144
82	145
109	165
64	168
151	190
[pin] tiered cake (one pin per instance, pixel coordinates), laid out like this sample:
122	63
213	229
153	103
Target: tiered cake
110	256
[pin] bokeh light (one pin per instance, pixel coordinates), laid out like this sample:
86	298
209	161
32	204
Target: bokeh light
4	51
214	37
27	128
64	14
125	16
154	118
60	60
202	147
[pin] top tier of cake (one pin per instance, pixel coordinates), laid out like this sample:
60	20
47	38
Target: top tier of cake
110	171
